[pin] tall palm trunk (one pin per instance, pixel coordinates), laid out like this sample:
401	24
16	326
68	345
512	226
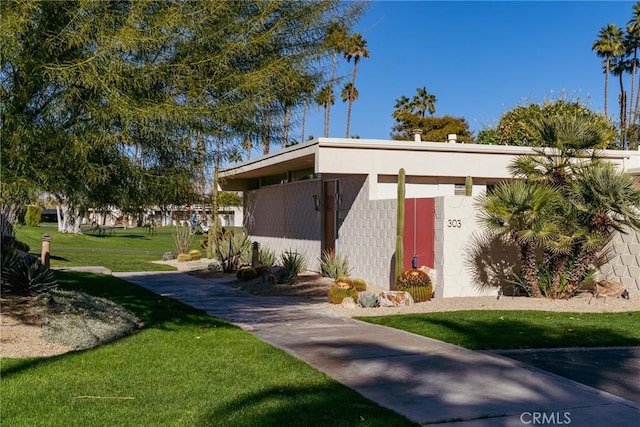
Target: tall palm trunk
633	85
606	87
327	106
304	120
353	85
286	125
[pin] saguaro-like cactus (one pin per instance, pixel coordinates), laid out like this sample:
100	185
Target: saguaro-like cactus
400	224
468	186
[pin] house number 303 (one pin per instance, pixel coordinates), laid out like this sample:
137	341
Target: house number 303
454	223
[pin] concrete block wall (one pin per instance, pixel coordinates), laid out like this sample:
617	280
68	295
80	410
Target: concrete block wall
455	224
367	231
283	217
624	265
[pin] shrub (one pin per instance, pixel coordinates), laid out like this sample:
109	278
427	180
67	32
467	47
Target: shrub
417	283
33	216
293	263
368	300
233	248
28	276
266	256
360	284
182	236
334	266
340	291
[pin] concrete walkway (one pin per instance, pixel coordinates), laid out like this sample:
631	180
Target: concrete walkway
426	380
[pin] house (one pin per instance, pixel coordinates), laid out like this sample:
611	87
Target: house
340	194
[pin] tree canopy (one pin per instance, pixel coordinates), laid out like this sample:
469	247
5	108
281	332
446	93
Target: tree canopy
410	114
105	102
519	125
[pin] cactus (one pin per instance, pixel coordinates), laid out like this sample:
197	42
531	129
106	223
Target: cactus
400	224
359	284
184	257
468	186
420	293
417	283
195	255
340	291
247	274
369	300
344	280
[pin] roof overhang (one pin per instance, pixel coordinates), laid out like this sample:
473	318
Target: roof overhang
385	157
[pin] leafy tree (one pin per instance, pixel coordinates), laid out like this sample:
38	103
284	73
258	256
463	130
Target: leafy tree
355	48
518	125
94	91
410	114
488	135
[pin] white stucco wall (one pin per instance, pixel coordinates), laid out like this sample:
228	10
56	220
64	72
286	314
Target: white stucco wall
455	224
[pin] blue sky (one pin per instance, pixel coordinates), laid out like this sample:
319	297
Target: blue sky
479	58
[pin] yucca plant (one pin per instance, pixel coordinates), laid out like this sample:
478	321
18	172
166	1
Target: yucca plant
28	276
293	263
182	236
233	248
334	266
267	256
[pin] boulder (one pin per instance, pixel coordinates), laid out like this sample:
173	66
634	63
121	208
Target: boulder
348	302
395	299
610	289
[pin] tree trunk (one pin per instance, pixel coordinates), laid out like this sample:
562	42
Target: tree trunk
633	85
353	88
327	107
304	120
286	124
68	217
530	269
556	276
606	87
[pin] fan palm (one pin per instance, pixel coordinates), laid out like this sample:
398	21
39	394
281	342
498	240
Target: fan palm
335	39
402	109
523	213
423	101
349	94
355	48
632	41
606	200
609	44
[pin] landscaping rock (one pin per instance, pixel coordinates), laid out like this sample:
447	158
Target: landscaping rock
168	256
395	299
348	302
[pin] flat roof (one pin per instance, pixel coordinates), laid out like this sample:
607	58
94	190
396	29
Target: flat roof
366	156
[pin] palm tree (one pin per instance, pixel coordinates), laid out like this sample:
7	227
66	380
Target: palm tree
325	98
402	108
632	41
355	48
349	94
522	213
335	39
423	101
608	45
619	66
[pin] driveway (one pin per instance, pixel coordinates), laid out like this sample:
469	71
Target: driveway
614	370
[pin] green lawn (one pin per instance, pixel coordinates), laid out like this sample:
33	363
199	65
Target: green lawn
129	249
492	330
183	369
